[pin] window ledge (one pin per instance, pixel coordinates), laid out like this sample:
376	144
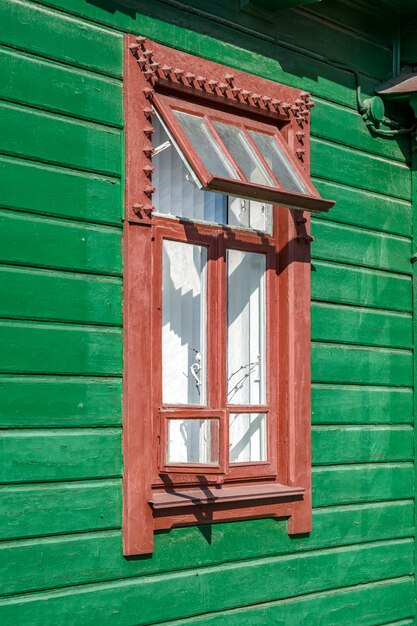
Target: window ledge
222	495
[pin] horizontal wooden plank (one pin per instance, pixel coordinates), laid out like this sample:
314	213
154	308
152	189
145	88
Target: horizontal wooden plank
359	169
50	508
361	405
375	26
364	208
59	192
347	244
362	483
40	348
95	557
338	45
29	80
358	325
216	42
345	364
36	401
347	128
365	287
39	30
50	295
143	601
47	137
47	455
366	605
361	444
37	241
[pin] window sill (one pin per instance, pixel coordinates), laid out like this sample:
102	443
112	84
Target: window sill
162	500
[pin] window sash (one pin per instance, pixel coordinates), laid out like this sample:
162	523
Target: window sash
217	240
241	187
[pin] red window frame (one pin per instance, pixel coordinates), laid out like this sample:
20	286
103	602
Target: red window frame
243	188
158	495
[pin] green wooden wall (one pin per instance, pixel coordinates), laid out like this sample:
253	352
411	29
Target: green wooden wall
61	181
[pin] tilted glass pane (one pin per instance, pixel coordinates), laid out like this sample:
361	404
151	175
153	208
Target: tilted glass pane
278	162
245	327
183	323
205	145
243	154
250	214
176	192
193	441
247	437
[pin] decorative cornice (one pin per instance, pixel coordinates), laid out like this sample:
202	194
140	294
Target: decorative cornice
159	75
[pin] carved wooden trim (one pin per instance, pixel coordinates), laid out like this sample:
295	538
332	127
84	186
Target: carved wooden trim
149	67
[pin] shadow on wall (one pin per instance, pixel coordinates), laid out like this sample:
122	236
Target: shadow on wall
288	47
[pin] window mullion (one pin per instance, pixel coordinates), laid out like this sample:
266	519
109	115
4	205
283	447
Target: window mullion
261	158
224	148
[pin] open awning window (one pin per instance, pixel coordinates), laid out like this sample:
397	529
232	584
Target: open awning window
237	155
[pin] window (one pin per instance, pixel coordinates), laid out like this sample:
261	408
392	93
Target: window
217	296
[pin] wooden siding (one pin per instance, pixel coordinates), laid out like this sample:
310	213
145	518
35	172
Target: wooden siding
61	177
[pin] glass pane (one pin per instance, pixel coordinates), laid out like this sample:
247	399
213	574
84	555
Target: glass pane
247	437
278	162
245	327
176	192
243	154
183	323
205	145
193	441
250	214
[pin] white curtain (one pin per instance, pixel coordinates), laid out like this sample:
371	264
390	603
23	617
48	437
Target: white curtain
183	323
245	327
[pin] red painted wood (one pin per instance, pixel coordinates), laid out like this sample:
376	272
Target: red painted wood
147	477
230	511
244	493
137	430
241	188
